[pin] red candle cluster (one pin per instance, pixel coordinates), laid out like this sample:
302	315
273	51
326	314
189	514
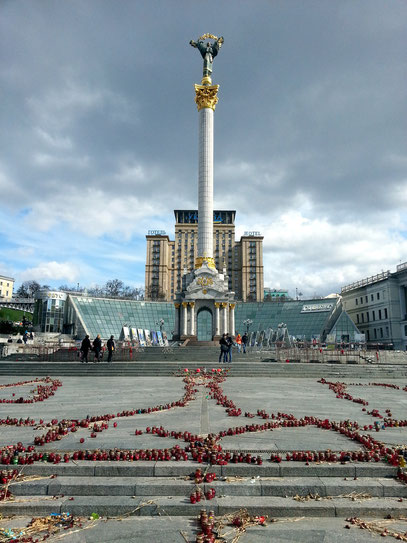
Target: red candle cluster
340	391
206	524
40	393
17	422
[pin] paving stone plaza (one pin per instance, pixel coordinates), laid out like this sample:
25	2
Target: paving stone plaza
129	447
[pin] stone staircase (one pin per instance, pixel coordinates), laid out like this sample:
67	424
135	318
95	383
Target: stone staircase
158	488
247	368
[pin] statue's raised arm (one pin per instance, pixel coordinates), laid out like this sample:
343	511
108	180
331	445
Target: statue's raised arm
217	45
208	52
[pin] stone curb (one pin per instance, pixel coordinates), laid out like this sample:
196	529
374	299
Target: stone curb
179	469
180	506
148	486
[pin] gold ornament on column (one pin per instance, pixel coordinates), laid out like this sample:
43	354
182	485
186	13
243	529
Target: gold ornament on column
201	259
206	96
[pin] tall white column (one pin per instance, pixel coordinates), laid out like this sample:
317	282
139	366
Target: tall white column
192	310
184	318
205	188
206	100
225	318
232	331
217	320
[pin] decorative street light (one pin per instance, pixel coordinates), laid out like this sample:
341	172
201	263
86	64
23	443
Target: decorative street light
160	323
247	323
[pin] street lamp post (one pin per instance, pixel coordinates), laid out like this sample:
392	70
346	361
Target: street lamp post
160	323
247	323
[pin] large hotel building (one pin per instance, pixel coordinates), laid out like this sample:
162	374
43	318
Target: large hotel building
168	261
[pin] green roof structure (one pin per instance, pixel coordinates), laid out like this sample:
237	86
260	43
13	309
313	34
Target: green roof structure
304	319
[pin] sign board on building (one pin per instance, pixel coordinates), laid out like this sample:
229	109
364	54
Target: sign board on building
157	233
252	233
50	295
331	339
316	308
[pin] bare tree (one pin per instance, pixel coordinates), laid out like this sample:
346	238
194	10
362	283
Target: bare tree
28	289
154	293
114	288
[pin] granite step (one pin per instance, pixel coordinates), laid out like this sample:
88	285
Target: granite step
230	486
173	469
248	368
180	506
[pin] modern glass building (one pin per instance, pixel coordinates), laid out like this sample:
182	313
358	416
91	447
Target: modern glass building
305	319
49	310
78	315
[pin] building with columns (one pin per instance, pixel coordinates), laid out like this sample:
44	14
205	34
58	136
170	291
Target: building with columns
187	313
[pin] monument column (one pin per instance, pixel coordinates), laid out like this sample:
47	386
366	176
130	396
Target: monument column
217	320
232	319
225	317
184	318
206	100
192	309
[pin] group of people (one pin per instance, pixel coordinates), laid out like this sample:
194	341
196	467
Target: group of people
26	336
97	348
226	343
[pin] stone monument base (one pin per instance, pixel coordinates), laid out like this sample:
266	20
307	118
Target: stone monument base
205	301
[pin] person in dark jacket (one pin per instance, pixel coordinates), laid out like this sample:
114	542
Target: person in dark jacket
245	339
224	348
230	344
85	346
97	347
110	348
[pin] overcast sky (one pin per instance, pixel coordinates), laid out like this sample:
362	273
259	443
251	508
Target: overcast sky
99	134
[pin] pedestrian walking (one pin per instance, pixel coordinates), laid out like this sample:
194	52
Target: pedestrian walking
110	348
97	347
85	346
238	341
224	347
230	344
245	340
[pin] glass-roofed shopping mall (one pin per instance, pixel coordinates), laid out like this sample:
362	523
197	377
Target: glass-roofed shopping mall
80	314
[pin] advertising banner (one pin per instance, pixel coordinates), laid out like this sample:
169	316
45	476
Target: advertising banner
360	338
141	337
154	337
160	338
147	337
